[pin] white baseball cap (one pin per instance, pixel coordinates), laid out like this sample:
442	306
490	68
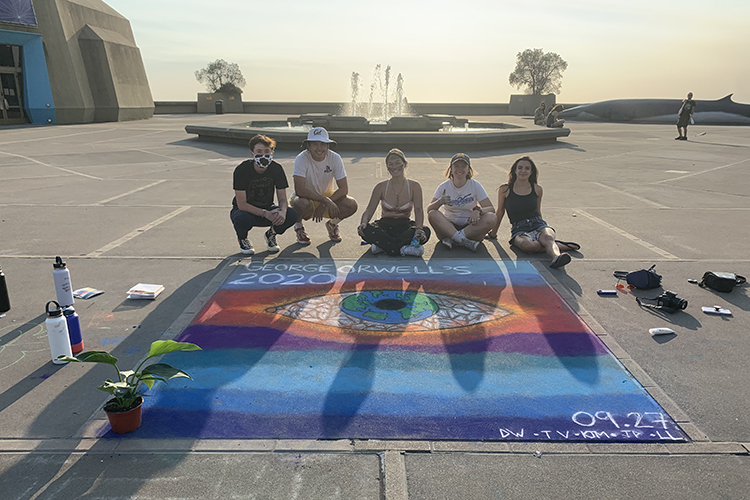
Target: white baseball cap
318	134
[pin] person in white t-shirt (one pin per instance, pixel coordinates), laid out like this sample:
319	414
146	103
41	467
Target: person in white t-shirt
469	213
320	186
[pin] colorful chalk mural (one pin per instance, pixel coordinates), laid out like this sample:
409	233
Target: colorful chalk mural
398	349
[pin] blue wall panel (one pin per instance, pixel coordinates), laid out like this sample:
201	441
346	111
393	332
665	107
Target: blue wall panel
38	102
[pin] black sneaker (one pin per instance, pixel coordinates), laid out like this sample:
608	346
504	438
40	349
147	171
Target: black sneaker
271	240
245	246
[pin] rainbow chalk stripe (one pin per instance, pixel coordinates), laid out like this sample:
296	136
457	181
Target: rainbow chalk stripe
398	349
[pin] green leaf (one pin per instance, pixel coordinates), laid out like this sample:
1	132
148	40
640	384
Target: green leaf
124	392
122	385
164	346
149	380
107	388
165	371
96	357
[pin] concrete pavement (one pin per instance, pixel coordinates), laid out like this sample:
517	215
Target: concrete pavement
142	201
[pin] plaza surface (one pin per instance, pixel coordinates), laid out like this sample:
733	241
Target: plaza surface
143	202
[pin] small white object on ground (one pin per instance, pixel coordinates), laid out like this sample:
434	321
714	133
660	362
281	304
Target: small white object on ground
660	331
716	310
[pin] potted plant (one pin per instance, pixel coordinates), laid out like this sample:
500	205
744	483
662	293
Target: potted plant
124	409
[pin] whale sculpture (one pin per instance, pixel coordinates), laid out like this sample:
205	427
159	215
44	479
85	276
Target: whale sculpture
720	112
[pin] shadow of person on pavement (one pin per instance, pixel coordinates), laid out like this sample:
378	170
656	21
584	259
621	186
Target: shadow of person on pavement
72	474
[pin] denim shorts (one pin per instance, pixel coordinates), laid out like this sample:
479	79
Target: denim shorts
527	226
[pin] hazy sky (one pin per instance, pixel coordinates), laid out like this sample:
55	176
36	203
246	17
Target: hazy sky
447	51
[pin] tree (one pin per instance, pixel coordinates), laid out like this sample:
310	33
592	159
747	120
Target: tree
221	76
538	72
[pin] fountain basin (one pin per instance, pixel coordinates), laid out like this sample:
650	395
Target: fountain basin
435	132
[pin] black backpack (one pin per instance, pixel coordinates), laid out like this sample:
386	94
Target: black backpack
721	282
643	278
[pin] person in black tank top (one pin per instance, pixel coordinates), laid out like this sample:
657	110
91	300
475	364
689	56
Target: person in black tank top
521	199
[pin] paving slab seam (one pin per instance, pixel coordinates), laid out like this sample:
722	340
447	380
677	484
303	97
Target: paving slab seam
348	446
393	476
631	237
632	195
693	174
138	232
100	204
116	257
223	256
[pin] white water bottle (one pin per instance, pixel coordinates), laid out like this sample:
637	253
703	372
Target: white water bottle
57	332
63	288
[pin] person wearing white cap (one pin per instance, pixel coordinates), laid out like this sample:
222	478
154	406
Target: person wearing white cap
469	213
320	186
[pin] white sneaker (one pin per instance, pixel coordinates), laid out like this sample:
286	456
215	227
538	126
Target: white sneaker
459	237
271	240
376	249
302	237
333	231
412	250
470	244
447	242
245	246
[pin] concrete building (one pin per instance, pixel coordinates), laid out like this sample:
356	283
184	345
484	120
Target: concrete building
69	61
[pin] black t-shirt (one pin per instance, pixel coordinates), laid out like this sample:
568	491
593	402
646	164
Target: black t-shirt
260	188
688	107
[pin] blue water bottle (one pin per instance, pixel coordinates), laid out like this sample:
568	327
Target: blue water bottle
74	329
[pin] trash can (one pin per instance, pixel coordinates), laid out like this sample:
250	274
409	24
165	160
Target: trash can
219	107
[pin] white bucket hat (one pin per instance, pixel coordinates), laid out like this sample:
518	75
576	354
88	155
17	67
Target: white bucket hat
318	134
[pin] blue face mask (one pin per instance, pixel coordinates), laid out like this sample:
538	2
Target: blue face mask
263	161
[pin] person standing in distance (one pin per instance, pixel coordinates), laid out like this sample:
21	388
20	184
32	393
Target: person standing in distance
320	186
686	113
255	181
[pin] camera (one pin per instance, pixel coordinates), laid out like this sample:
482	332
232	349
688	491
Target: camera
670	300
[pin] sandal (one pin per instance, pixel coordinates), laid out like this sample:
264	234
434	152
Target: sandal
574	247
562	260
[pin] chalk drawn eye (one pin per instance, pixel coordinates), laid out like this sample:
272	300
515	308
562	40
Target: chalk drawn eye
390	311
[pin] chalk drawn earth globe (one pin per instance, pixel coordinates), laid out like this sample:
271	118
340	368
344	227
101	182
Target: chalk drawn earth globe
389	306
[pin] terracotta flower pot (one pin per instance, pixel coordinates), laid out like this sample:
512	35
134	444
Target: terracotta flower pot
126	421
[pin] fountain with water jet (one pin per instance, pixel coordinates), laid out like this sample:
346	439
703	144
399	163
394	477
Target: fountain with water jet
377	128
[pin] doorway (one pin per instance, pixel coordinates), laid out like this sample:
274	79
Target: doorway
11	88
